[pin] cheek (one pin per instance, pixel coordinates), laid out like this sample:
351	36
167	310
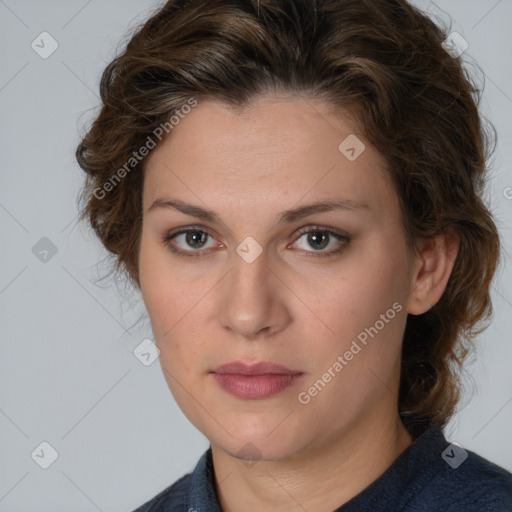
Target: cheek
362	293
164	296
364	309
175	309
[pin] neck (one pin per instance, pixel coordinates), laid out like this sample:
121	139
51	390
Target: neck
321	477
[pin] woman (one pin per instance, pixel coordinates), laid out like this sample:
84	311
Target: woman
295	188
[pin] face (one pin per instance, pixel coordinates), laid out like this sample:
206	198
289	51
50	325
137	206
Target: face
228	276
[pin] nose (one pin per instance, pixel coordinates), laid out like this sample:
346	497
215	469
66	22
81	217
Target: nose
253	301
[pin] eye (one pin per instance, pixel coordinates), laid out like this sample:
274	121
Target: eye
193	241
319	238
188	241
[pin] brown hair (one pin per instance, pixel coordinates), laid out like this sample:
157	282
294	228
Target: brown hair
383	60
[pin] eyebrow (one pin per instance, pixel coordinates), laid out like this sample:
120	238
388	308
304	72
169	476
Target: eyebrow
287	216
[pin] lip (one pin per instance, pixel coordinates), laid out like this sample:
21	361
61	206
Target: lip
254	381
261	368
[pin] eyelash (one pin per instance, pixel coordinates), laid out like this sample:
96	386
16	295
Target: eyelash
167	239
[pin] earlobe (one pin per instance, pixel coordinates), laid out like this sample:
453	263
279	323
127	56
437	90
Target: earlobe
434	263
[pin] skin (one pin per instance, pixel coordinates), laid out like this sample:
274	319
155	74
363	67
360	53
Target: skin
293	305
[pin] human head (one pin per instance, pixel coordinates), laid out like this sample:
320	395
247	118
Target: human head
382	63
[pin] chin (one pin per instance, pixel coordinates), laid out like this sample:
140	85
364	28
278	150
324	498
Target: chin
257	445
252	451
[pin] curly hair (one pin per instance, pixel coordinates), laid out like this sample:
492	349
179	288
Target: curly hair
381	60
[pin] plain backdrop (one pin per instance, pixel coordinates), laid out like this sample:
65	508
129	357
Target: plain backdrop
68	374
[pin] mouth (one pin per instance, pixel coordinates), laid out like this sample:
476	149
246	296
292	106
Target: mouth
254	381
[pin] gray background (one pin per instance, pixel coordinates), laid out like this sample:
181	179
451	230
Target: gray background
68	375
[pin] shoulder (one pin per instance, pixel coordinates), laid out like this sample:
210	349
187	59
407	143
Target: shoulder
170	499
475	485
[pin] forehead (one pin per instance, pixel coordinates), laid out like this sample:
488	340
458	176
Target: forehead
278	149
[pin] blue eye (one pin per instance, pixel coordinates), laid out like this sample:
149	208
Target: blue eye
194	241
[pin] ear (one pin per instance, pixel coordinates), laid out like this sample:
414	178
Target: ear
432	267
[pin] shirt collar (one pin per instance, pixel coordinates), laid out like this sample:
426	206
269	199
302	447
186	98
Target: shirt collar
418	463
201	493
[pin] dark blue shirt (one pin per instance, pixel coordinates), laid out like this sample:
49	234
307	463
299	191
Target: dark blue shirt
430	475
